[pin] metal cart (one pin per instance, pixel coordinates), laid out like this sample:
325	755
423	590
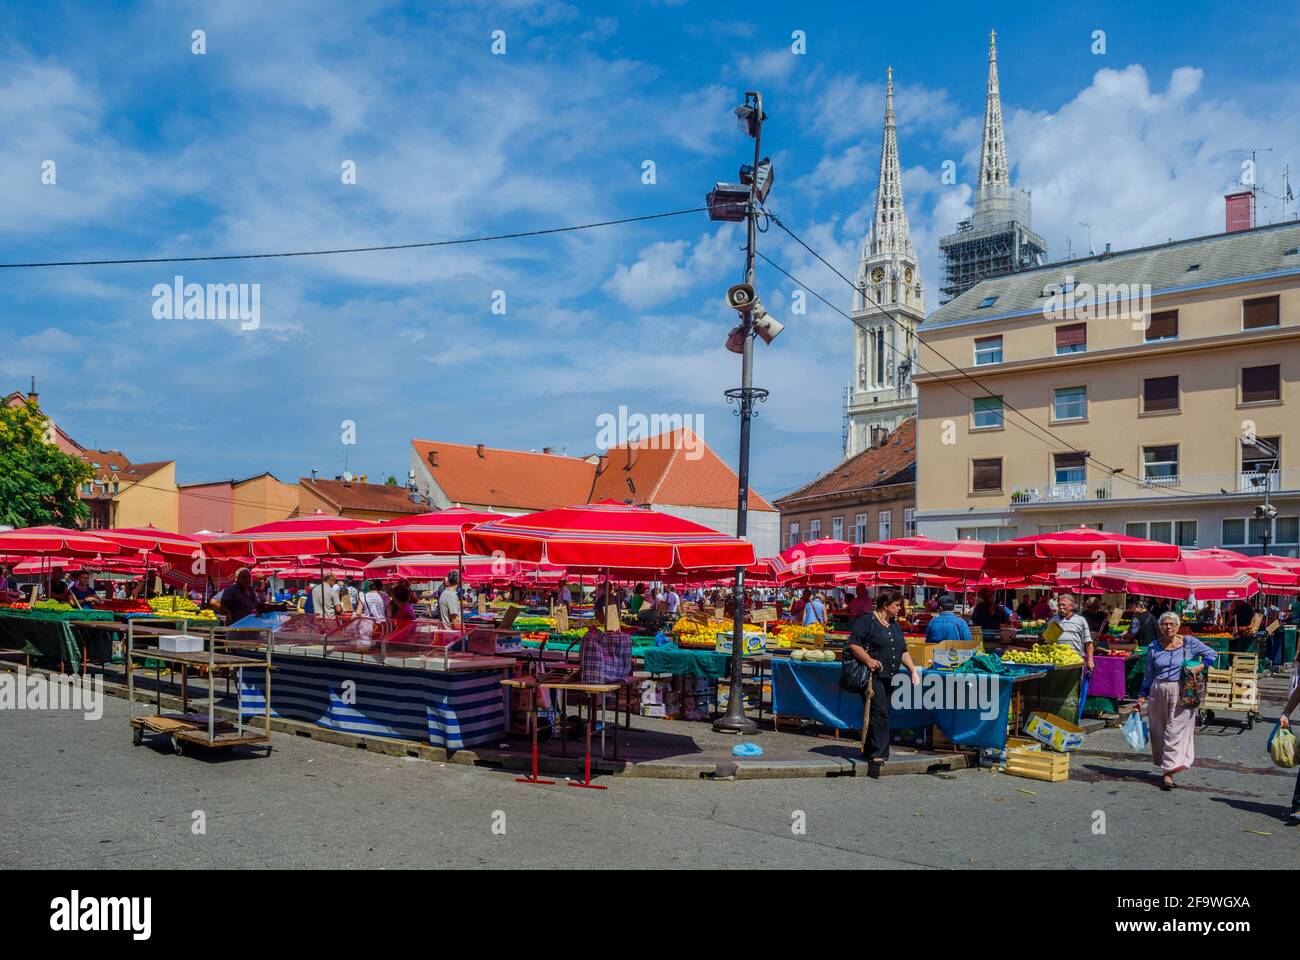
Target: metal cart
186	727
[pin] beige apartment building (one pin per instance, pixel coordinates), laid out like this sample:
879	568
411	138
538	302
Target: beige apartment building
1152	392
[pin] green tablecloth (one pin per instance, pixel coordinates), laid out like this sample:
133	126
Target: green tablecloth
48	640
694	663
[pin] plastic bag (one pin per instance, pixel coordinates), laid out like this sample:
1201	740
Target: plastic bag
1136	732
1281	747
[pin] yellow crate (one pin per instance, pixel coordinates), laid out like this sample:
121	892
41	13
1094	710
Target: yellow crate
1038	765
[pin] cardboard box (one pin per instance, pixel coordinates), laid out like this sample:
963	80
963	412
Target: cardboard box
953	653
181	643
1051	730
752	643
922	653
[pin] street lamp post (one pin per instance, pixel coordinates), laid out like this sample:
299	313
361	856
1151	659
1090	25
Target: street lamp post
734	720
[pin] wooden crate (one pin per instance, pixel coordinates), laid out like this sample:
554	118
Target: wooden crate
1039	765
1245	693
1245	664
1218	689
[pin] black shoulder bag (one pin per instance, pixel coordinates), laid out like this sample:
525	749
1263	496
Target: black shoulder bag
854	674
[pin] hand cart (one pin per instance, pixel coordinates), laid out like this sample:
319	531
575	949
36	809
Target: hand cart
186	727
1235	690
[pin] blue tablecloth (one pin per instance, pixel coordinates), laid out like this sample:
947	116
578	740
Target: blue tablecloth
812	691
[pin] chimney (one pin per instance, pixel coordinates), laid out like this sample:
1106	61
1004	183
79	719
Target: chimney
479	448
1237	211
602	461
547	449
32	394
433	458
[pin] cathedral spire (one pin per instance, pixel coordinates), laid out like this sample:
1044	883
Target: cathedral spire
889	232
993	159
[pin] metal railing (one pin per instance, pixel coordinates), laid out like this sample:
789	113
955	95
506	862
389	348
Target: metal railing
1128	488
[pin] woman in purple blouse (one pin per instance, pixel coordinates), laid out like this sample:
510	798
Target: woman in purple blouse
1173	726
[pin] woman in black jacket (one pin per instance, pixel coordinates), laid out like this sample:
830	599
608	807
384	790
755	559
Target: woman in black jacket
877	640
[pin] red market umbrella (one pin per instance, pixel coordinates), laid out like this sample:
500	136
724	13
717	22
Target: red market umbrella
53	542
1267	573
601	536
152	540
295	537
812	559
1201	578
437	566
868	556
961	557
427	533
1081	545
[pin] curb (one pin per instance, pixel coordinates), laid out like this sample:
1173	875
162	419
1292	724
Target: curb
816	767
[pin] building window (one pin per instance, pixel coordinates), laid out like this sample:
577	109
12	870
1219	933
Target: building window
987	534
1162	326
1286	532
1070	403
988	302
988	412
1069	469
886	520
794	533
815	529
1234	533
114	487
909	521
1159	394
986	475
1261	384
1160	465
1260	312
837	528
988	350
1258	468
1072	338
860	528
1181	533
88	488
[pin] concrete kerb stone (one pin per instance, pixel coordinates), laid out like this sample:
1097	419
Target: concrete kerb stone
816	766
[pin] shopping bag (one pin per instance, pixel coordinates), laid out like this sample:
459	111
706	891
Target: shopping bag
1281	747
1135	731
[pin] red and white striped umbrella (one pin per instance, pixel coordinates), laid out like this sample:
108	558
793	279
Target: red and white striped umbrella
295	537
1202	578
53	542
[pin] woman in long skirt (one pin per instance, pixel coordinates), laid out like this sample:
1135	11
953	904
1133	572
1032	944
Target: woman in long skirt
1173	726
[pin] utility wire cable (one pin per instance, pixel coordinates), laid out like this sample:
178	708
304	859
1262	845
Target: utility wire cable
341	250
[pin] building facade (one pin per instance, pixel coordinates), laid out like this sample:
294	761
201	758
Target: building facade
223	506
887	306
1151	392
997	239
870	496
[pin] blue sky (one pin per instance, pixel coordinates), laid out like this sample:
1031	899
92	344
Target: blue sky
160	151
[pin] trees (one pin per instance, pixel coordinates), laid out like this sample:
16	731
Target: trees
38	481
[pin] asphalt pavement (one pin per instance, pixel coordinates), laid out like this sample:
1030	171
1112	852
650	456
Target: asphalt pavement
77	794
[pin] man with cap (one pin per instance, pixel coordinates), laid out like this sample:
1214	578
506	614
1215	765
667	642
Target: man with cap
946	625
239	599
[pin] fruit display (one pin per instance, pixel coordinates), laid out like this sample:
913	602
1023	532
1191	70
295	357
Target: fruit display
178	607
124	606
1058	654
15	606
790	634
51	605
692	633
815	656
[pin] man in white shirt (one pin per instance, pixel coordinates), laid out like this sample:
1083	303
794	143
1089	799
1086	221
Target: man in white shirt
565	597
674	601
449	601
1074	629
325	597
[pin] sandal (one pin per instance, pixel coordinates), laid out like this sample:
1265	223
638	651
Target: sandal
1167	783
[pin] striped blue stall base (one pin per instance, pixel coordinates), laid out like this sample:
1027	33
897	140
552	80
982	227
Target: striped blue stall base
451	710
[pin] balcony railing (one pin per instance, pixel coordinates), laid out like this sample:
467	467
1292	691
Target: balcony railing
1122	487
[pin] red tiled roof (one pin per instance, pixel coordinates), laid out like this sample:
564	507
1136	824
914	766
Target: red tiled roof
351	495
893	461
674	469
488	476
